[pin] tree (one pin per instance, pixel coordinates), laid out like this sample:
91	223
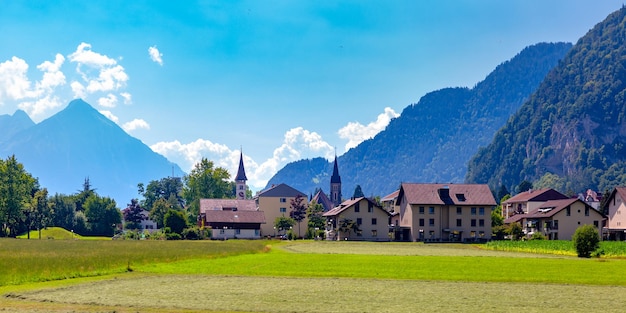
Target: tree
524	186
358	193
16	186
175	221
159	209
40	211
314	214
516	231
63	211
346	225
586	240
283	223
83	194
205	181
164	188
502	192
132	215
102	215
298	210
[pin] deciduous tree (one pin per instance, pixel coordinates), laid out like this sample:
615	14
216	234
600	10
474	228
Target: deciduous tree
298	210
16	186
205	181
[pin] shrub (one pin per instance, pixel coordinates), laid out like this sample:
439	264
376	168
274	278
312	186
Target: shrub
173	236
193	233
586	240
516	231
537	236
291	235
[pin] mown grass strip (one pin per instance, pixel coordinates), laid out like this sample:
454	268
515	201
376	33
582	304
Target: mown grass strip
611	249
442	268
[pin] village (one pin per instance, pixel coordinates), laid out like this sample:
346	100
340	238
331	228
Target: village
418	212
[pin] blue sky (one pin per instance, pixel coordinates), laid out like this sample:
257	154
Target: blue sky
284	80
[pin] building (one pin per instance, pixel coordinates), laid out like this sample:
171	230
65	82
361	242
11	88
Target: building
240	180
527	201
615	207
275	202
146	223
390	204
335	185
445	212
231	218
559	219
371	219
321	198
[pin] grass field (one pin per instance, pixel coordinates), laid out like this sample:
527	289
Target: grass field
329	277
58	233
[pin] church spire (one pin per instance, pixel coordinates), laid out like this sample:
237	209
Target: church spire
240	179
335	185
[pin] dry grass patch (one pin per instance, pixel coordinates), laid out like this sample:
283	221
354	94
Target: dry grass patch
291	294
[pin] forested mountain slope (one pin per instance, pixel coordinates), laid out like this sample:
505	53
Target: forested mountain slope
571	134
431	141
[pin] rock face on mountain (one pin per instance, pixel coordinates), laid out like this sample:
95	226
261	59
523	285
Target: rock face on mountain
432	141
571	134
79	143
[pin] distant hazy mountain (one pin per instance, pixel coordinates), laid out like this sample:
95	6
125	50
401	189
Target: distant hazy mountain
13	124
571	134
432	141
79	142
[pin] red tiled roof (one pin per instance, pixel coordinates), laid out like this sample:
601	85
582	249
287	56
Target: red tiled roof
235	217
228	204
459	194
548	209
544	194
349	203
391	196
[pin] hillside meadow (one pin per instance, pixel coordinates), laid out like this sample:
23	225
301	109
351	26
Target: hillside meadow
302	276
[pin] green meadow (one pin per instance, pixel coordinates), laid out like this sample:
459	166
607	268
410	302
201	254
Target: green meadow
301	276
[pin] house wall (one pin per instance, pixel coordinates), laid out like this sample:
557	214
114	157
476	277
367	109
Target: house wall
369	231
577	218
271	207
235	233
510	208
445	227
431	231
617	213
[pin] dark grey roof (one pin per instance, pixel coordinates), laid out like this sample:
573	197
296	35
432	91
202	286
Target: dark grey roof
281	190
241	172
335	179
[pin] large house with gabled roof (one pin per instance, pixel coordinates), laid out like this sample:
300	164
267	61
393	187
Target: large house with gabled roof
615	208
370	218
445	212
526	201
275	202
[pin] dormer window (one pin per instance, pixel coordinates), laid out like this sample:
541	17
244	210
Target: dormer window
460	197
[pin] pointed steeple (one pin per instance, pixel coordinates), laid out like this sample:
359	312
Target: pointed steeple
335	178
240	179
241	172
335	185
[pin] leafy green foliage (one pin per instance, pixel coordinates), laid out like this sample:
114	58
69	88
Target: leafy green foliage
283	223
175	221
572	126
102	215
16	187
205	181
586	240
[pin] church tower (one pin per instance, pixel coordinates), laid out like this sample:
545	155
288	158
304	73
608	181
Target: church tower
335	185
240	180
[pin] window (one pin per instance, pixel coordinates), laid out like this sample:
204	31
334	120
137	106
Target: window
240	187
431	233
374	221
431	210
481	223
472	234
481	234
359	233
374	233
473	211
421	210
238	231
555	224
431	222
357	208
481	211
359	221
459	211
568	211
586	211
596	224
370	207
283	200
283	210
459	222
473	223
221	231
421	222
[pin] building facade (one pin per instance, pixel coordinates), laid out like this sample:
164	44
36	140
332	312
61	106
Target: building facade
371	220
615	208
275	202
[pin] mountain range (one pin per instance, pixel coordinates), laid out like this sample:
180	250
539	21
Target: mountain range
79	143
432	140
571	134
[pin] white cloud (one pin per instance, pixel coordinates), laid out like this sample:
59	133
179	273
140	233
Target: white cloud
52	76
110	101
356	132
110	116
296	142
135	124
14	84
99	72
128	99
155	55
40	105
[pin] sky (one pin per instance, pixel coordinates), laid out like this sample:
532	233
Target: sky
279	80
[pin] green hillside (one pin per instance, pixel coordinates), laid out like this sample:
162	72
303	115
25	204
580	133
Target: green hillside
571	134
59	233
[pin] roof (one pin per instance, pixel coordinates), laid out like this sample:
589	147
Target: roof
538	195
391	196
349	203
235	217
618	190
321	198
281	190
450	194
335	179
548	209
241	171
227	204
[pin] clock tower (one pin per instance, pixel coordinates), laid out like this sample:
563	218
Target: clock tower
240	180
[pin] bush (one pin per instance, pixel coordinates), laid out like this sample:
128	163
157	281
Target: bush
173	236
291	235
537	236
586	240
516	231
194	233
